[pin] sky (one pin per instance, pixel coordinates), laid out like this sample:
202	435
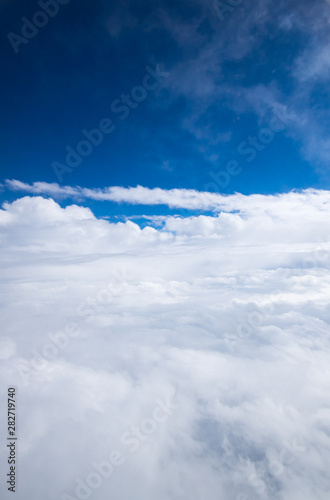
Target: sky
227	74
165	242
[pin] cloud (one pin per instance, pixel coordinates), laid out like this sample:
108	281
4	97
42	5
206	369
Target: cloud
208	81
180	198
314	64
224	317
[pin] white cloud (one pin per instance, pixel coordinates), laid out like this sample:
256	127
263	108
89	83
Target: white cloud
183	198
314	64
228	312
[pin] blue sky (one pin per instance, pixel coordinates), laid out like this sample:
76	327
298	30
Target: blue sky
225	77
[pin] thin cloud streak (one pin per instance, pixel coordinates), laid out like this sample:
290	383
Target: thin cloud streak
173	198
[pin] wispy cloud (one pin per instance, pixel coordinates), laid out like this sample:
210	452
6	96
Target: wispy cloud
209	88
175	198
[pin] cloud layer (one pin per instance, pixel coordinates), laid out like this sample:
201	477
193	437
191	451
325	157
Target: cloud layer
195	356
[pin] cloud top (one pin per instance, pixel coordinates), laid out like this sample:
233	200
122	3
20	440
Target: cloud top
224	319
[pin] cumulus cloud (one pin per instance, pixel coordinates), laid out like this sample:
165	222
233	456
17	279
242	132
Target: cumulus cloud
198	351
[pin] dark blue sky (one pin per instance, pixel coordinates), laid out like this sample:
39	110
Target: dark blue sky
226	79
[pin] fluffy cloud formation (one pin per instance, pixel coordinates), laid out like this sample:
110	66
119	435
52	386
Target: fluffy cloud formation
190	361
